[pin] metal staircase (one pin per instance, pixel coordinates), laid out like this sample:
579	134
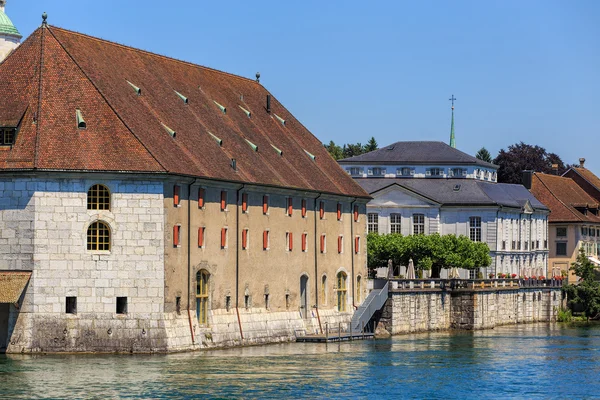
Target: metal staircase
374	301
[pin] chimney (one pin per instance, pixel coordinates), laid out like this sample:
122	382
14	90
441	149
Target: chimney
582	162
554	169
268	103
527	177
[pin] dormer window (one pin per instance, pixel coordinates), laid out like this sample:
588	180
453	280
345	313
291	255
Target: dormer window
405	171
377	171
355	171
457	172
7	136
435	172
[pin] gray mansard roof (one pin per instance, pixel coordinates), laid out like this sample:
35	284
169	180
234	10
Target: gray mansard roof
417	153
470	192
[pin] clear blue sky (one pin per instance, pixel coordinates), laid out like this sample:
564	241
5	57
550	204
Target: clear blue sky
521	70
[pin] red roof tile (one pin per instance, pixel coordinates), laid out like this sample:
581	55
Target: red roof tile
125	131
562	195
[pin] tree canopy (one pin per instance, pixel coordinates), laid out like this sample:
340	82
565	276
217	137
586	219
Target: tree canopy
520	157
428	252
484	155
349	149
586	294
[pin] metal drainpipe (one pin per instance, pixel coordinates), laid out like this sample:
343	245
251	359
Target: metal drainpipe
237	258
316	265
352	249
189	256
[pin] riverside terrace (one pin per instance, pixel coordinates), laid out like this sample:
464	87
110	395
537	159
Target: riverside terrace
419	305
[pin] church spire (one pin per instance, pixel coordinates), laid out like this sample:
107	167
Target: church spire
452	139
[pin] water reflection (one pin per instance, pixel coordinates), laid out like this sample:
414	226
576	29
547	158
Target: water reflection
508	362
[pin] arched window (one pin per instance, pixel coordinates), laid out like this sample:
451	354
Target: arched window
202	296
342	291
98	236
98	198
358	288
324	290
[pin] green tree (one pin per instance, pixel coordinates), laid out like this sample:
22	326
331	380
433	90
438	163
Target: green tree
520	157
371	145
335	150
586	294
352	150
484	155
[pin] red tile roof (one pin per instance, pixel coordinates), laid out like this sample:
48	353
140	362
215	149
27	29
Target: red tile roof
55	71
562	195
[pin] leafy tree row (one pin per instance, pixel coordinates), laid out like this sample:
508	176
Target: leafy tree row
350	150
431	252
586	294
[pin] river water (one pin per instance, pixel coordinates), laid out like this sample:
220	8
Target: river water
525	361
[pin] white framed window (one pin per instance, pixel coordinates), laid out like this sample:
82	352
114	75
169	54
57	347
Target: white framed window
378	171
372	222
418	224
435	172
355	171
405	171
395	223
475	229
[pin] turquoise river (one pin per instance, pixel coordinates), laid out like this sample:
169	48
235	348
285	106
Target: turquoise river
537	361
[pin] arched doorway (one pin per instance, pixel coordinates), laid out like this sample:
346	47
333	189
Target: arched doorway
304	296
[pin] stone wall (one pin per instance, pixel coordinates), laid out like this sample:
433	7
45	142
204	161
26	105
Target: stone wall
430	310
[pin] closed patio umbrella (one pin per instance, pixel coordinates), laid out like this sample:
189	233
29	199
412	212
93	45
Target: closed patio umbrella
410	272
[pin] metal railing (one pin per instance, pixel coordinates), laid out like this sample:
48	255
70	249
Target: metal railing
374	302
451	284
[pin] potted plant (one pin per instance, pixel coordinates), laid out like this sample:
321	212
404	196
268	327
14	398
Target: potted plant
491	275
514	276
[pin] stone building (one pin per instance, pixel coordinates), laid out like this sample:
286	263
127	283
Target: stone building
431	187
574	221
9	35
150	204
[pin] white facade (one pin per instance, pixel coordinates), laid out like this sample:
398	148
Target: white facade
517	238
422	171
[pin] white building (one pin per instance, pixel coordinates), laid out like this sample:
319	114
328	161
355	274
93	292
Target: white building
430	187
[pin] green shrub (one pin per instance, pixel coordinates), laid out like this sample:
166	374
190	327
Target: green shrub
564	315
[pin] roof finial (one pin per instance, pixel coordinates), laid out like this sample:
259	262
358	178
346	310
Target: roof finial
2	4
258	77
44	18
452	139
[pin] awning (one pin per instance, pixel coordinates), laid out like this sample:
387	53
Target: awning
594	261
12	284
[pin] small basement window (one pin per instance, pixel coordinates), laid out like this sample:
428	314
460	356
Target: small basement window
71	305
121	305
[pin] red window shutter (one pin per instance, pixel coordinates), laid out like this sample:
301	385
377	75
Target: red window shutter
304	242
291	239
244	202
290	206
355	213
244	239
201	236
340	244
321	209
356	244
223	200
265	240
303	208
200	198
176	195
339	211
176	235
223	237
322	243
265	204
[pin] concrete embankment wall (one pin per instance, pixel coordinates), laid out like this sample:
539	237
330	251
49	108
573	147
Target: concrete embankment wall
431	310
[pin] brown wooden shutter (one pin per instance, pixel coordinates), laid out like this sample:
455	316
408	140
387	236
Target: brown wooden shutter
291	241
322	243
200	197
339	211
290	206
223	200
355	213
303	208
321	209
265	204
340	244
176	235
201	236
244	239
176	195
223	237
356	244
265	240
304	236
244	202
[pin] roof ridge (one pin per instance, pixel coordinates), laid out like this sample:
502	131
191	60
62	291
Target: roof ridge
103	98
556	197
153	54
